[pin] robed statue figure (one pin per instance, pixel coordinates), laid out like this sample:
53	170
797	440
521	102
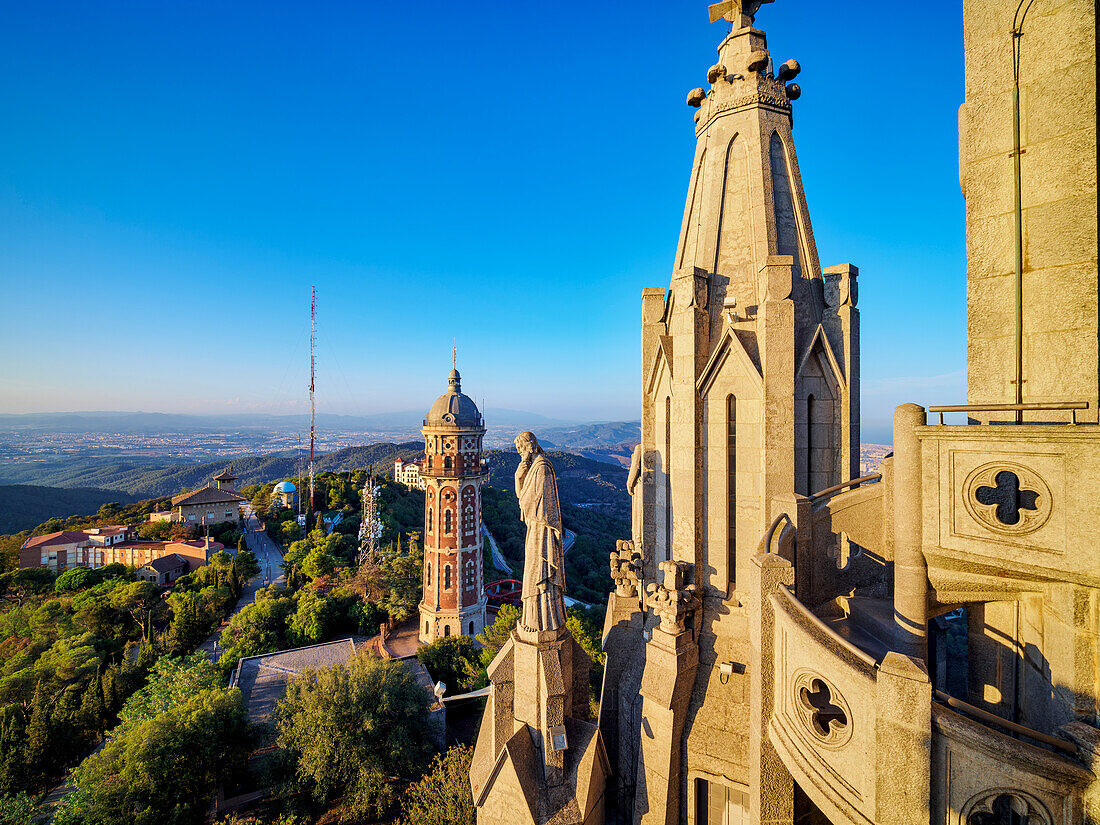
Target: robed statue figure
543	570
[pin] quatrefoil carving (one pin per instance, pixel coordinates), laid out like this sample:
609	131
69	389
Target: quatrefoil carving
1007	497
824	713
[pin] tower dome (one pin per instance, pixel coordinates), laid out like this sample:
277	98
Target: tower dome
453	408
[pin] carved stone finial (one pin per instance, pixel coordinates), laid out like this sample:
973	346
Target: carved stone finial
739	12
673	600
626	565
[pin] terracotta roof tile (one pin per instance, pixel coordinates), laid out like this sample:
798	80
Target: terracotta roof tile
207	495
60	537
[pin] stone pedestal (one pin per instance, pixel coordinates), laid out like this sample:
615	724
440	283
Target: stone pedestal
538	759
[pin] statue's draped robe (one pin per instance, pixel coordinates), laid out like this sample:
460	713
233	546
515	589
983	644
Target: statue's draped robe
543	572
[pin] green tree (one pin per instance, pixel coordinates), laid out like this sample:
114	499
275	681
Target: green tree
172	681
348	730
155	531
452	660
78	578
442	796
319	563
19	810
258	628
312	620
164	769
193	619
20	585
497	634
404	582
245	565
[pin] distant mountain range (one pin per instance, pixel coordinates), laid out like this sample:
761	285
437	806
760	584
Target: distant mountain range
154	423
151	479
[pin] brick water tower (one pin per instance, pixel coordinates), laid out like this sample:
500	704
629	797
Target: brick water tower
454	595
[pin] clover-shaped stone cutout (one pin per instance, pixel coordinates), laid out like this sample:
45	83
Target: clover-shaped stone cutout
824	713
1008	496
1006	809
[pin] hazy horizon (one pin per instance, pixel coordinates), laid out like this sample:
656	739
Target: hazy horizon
183	175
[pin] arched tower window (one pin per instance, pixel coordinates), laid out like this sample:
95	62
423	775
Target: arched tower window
446	630
447	462
668	478
429	566
447	577
809	444
447	522
731	486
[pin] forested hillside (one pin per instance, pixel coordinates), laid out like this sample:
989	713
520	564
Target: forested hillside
594	505
581	481
24	506
143	479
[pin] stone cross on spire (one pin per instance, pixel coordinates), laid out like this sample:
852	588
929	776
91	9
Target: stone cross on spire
738	12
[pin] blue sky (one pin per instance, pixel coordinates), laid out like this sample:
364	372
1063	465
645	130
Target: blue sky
174	176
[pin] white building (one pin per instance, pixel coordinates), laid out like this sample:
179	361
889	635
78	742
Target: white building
408	473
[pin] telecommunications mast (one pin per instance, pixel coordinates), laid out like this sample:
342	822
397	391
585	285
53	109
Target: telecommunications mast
370	529
312	378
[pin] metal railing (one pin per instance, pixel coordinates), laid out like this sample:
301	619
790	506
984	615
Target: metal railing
1073	406
809	617
836	488
994	719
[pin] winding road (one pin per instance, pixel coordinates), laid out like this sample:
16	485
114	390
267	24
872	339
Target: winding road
270	556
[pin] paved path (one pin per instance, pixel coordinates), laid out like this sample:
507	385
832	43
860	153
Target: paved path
270	556
499	562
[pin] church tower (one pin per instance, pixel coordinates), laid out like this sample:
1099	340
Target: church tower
750	403
454	595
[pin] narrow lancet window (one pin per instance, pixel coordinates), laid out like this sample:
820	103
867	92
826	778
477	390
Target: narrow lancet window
668	478
731	486
809	445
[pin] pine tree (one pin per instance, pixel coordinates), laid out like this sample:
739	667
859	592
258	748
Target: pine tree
13	750
39	735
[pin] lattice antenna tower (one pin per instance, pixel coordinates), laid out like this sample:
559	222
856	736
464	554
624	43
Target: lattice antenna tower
370	530
312	387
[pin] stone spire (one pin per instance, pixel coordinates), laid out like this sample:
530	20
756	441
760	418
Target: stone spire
750	397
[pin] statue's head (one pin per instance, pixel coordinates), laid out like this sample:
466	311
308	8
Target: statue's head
527	445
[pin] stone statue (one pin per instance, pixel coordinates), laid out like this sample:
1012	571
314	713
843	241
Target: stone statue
634	487
543	565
